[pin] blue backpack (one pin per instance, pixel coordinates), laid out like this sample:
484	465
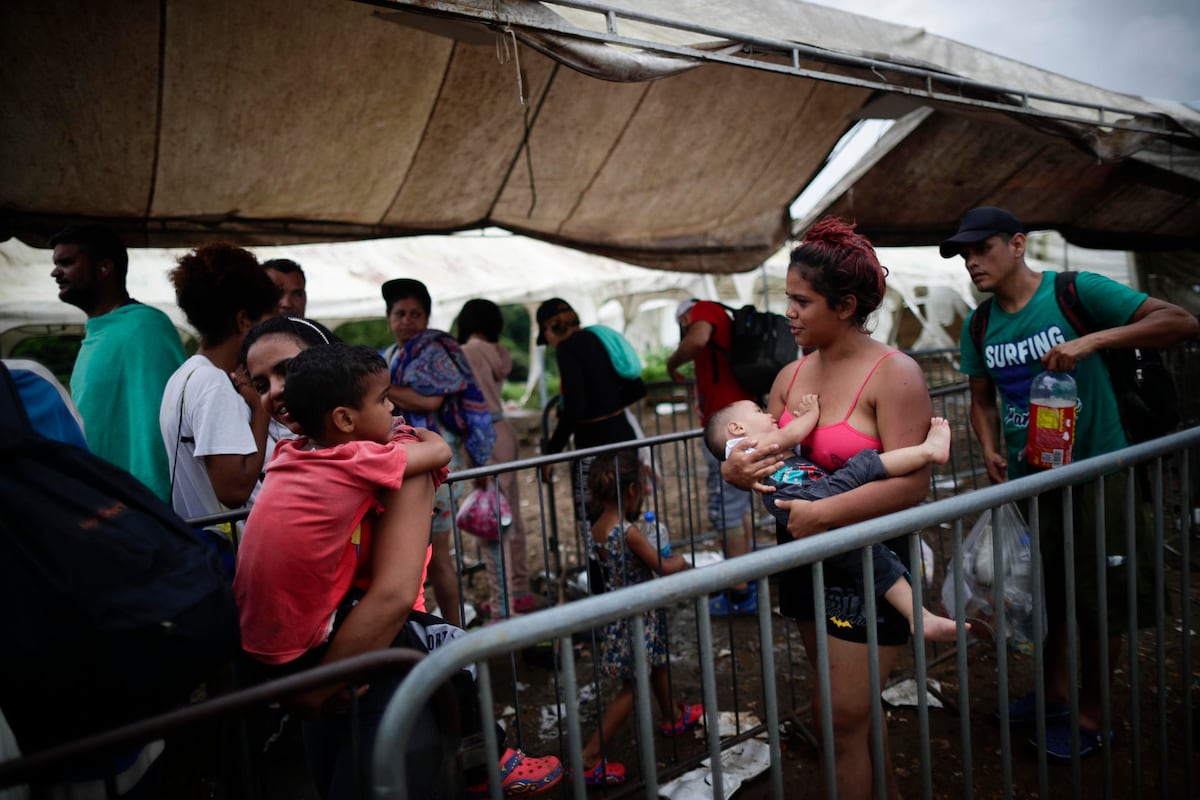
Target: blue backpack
114	608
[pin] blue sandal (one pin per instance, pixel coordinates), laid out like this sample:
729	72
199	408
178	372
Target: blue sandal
1058	741
1024	711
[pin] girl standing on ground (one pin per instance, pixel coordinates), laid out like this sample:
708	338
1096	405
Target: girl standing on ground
616	488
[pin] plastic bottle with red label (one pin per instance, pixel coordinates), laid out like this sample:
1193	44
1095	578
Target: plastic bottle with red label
1051	419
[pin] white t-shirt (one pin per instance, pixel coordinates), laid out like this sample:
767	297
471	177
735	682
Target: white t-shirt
201	415
276	433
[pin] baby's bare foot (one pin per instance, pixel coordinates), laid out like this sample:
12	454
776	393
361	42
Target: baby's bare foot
939	629
937	443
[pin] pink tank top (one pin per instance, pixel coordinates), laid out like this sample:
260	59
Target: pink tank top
830	446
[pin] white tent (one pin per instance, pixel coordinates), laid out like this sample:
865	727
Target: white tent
667	133
344	279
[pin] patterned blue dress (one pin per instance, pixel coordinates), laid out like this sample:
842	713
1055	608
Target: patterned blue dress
622	568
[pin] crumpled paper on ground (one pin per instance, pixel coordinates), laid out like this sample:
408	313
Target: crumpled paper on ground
904	693
739	763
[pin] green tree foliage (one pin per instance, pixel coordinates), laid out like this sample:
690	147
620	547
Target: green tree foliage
654	366
55	352
371	332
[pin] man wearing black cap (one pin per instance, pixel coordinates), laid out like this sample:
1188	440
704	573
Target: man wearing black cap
594	396
1026	333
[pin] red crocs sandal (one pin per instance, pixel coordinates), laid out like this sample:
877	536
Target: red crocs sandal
605	773
523	775
692	714
524	602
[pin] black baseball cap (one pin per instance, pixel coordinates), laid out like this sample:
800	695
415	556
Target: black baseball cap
979	224
397	288
548	310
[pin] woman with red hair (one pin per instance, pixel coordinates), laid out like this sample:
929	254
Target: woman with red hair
872	396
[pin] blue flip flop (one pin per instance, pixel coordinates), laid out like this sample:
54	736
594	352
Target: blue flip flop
1024	711
1058	741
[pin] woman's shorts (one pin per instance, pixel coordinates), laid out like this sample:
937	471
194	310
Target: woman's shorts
845	607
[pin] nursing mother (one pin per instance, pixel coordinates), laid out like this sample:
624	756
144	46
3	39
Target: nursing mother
872	396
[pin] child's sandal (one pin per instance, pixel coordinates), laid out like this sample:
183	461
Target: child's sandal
605	773
522	775
691	714
524	602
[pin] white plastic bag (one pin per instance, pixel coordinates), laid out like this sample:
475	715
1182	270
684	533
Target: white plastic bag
977	589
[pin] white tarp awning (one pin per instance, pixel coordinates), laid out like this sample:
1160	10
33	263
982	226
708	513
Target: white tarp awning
344	279
324	120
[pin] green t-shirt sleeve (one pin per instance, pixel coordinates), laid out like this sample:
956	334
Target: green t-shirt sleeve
1110	304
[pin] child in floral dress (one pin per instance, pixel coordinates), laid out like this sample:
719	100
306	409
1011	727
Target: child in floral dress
616	485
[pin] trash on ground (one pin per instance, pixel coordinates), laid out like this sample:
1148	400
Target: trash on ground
739	763
904	693
703	558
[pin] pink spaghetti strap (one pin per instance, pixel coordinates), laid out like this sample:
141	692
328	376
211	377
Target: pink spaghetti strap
792	383
866	380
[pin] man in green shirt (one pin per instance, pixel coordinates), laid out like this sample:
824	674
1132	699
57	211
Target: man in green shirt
1026	334
127	355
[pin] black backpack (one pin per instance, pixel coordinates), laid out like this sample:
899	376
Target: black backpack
114	609
761	345
1145	392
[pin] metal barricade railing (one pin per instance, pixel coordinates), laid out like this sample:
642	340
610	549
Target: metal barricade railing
677	450
692	587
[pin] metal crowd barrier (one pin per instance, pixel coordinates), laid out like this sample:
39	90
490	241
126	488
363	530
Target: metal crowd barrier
781	687
692	588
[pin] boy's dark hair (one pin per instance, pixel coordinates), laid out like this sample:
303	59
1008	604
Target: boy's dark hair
216	281
97	243
714	438
284	265
320	379
480	316
307	333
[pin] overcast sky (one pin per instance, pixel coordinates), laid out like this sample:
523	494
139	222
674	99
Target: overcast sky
1145	47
